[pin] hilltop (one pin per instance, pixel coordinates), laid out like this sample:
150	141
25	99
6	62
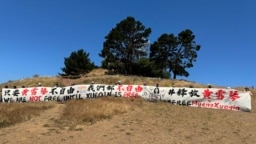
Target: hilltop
120	120
99	76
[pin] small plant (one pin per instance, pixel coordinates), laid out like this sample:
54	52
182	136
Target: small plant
35	76
14	113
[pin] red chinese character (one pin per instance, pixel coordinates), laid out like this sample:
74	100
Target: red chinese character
233	95
139	88
207	93
119	87
220	94
43	91
129	88
25	92
34	91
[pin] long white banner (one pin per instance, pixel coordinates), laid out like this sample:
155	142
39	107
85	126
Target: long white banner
216	98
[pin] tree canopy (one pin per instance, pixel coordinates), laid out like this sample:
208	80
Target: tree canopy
175	53
77	63
123	46
125	52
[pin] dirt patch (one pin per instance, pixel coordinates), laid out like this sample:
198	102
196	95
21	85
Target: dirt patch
158	123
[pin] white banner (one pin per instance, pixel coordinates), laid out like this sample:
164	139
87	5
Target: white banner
216	98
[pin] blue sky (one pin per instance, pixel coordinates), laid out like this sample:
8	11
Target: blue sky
36	35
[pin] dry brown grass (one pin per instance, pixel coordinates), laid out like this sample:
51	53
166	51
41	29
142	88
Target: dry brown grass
126	120
136	118
98	76
88	111
14	113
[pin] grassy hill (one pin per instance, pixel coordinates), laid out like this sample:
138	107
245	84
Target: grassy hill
160	121
99	77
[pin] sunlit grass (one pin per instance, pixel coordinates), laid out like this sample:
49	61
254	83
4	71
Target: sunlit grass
90	111
99	77
14	113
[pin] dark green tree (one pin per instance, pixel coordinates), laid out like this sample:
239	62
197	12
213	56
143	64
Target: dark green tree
147	67
123	46
175	53
77	63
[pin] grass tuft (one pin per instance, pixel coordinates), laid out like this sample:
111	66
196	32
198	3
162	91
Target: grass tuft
88	111
14	113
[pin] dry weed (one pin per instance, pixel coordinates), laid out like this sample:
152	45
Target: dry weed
91	110
11	114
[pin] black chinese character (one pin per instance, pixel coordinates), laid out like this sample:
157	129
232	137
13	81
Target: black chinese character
182	92
171	92
193	93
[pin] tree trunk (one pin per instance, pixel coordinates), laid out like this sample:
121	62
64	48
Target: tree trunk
174	75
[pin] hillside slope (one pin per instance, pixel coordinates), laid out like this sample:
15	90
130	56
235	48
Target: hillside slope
118	120
99	76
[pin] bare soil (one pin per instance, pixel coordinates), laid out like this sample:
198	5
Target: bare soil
152	123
